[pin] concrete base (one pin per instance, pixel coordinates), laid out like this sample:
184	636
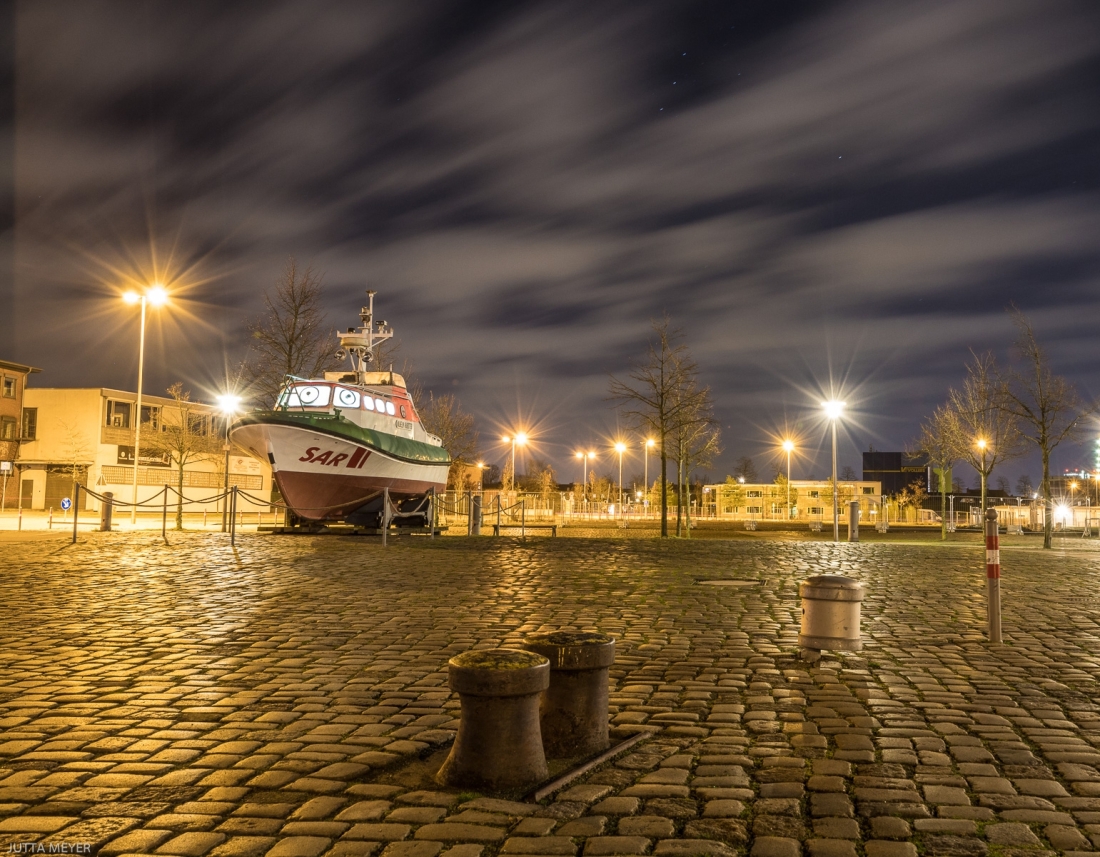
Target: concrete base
498	746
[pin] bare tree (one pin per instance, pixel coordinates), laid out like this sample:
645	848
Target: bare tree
291	338
936	442
695	437
1045	405
983	431
443	417
745	469
649	396
76	452
186	435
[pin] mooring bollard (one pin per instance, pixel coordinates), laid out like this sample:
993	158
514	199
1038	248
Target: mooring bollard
573	712
993	575
830	615
498	745
853	521
105	512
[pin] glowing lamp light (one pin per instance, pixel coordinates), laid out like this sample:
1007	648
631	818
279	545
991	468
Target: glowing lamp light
651	443
131	297
228	403
833	409
521	438
157	296
505	439
788	446
620	448
981	443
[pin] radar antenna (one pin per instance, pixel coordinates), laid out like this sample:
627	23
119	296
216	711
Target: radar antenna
359	344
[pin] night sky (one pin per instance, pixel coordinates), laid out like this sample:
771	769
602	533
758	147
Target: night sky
843	194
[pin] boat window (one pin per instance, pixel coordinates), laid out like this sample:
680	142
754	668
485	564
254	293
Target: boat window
347	398
368	403
401	408
307	396
390	409
380	405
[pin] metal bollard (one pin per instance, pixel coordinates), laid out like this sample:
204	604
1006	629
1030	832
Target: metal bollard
993	575
498	745
853	521
574	711
830	614
475	515
106	511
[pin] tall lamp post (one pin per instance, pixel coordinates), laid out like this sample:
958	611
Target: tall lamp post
620	448
157	296
480	476
227	404
517	439
788	447
833	410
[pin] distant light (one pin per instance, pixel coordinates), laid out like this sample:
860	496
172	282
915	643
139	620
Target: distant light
157	296
505	439
651	443
788	445
521	438
741	479
131	297
480	465
580	455
228	403
833	408
620	448
981	443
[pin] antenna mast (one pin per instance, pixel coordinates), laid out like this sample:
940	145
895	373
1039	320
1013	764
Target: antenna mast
360	344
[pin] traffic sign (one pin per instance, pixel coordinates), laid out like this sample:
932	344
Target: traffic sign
66	504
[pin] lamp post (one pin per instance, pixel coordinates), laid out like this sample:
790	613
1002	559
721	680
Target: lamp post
480	476
833	410
157	296
227	404
649	444
620	448
519	438
982	445
788	447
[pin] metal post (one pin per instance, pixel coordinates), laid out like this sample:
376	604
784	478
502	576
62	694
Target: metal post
836	500
76	509
853	521
385	515
498	514
475	515
993	575
137	421
523	519
105	512
233	517
164	514
431	512
225	499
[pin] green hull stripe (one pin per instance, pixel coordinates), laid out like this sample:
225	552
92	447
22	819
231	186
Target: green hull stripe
402	448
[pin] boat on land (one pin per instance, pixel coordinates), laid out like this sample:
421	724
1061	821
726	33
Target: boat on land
335	444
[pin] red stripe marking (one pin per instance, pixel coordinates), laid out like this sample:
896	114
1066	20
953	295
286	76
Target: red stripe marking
356	457
366	455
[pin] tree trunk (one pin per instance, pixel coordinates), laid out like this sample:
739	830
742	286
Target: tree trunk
664	491
179	500
1048	504
687	508
679	497
943	510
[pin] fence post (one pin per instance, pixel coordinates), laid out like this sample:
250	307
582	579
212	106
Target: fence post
232	500
475	515
431	511
523	518
469	513
76	510
993	575
106	511
498	514
385	515
164	514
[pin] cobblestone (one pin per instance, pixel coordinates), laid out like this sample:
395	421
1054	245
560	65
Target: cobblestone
278	700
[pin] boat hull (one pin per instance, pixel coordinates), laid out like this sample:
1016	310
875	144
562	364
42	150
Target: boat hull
323	476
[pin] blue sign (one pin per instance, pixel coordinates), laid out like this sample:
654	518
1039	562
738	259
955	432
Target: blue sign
66	504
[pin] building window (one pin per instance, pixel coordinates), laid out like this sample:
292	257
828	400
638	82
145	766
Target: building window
30	423
118	414
753	494
814	510
150	416
868	489
9	387
7	428
753	510
198	424
815	494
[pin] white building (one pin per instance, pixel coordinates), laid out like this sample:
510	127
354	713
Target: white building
87	436
811	500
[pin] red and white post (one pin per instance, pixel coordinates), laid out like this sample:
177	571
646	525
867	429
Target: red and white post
993	575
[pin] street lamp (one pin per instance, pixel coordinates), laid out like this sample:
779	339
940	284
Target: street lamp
156	296
520	439
982	445
833	410
788	447
227	404
480	476
620	448
649	444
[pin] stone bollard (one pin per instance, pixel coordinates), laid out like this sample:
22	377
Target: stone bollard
830	615
475	515
853	521
574	709
498	746
105	512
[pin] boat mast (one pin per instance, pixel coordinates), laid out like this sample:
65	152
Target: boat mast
360	344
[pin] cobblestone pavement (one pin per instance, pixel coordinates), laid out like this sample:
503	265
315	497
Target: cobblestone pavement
290	698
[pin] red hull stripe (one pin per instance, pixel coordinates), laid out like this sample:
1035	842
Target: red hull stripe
356	458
